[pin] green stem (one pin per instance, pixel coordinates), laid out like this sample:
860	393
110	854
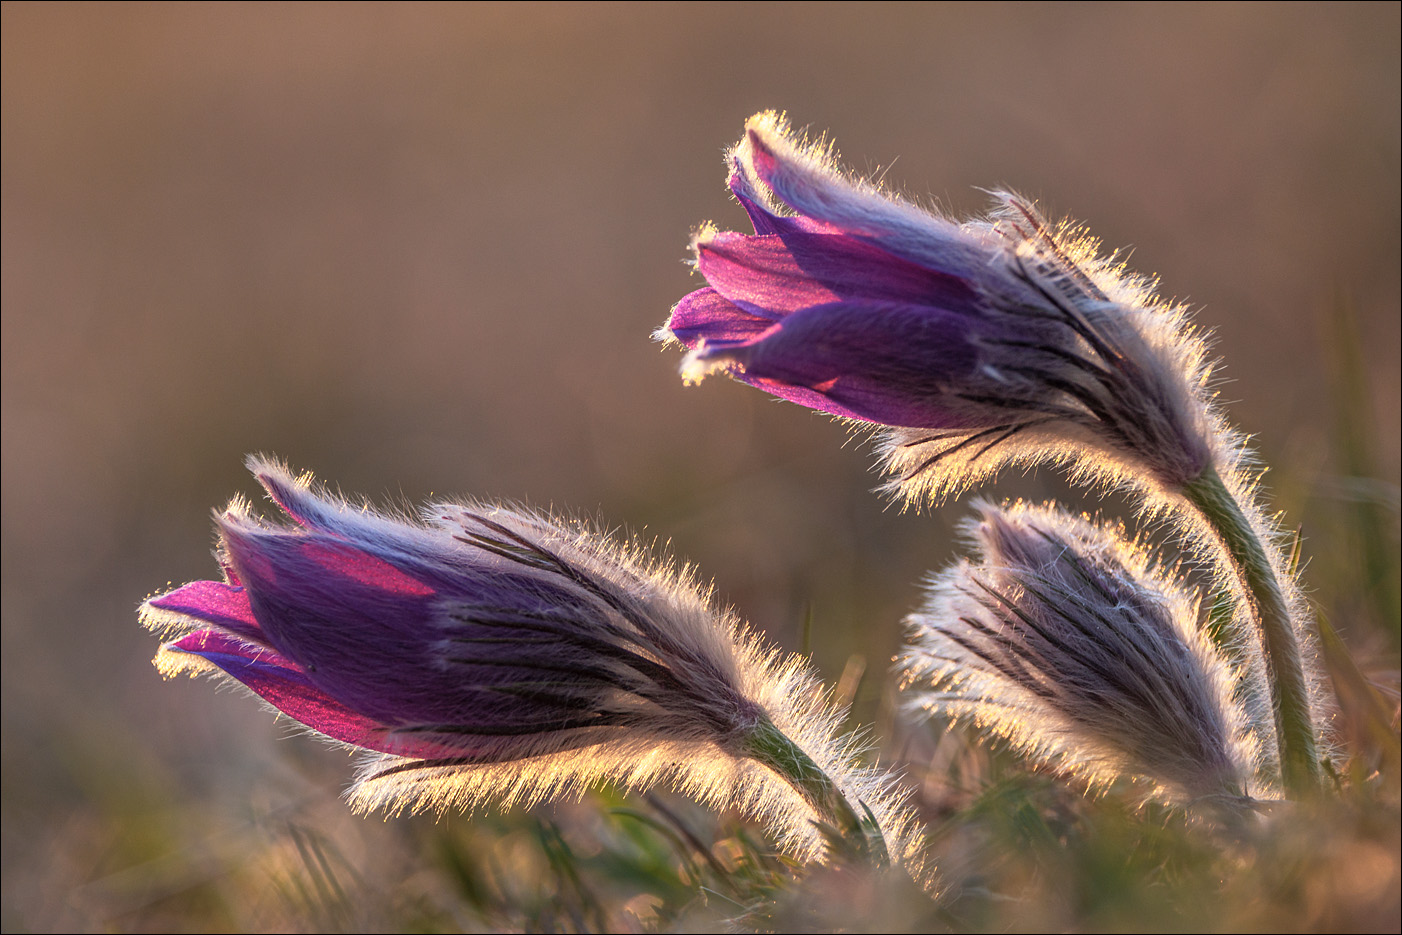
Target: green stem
837	819
1299	760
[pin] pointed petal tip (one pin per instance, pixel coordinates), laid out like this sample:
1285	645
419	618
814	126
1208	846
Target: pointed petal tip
171	661
153	617
759	144
266	468
202	603
767	124
767	141
701	362
701	237
286	489
705	315
663	334
237	510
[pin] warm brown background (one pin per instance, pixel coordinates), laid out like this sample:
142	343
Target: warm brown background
420	250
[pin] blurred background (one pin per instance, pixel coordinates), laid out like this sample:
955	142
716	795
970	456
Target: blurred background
419	250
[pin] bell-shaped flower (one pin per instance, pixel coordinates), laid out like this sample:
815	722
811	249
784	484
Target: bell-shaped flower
1064	641
488	653
996	341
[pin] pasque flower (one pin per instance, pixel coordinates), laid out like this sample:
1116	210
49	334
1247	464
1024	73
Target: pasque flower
997	340
1064	640
492	653
1001	340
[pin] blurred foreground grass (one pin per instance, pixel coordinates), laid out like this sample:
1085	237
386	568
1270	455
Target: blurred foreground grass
1014	851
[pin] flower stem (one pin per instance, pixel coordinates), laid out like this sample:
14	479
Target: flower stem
1299	760
837	820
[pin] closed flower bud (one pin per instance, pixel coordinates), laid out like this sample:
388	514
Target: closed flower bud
1063	640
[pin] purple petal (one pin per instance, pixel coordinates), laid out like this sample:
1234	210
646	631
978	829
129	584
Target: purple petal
356	624
774	276
706	316
268	557
889	364
764	220
823	198
215	603
284	685
401	555
378	640
298	501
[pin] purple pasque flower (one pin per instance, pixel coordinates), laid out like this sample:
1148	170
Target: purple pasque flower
979	344
491	653
1064	640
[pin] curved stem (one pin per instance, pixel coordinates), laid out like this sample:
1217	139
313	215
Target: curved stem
1299	760
844	829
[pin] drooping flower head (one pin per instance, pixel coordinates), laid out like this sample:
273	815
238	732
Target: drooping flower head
1064	641
980	344
489	653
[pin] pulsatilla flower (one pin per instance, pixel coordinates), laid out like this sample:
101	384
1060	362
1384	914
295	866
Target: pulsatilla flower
1001	340
488	653
1063	641
980	344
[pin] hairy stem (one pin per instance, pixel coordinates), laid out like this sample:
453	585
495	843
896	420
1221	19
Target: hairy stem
1299	760
837	819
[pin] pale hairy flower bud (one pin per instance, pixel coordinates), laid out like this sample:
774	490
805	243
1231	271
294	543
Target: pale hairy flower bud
1065	641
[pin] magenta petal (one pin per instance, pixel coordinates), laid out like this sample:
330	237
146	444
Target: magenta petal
268	557
313	594
763	220
766	221
774	276
213	602
346	561
360	627
283	684
706	316
760	274
889	364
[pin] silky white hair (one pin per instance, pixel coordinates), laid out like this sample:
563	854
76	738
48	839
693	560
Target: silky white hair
1067	641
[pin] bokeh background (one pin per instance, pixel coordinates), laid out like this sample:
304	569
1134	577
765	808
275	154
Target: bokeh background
420	250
